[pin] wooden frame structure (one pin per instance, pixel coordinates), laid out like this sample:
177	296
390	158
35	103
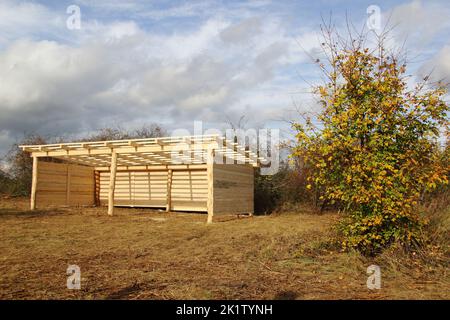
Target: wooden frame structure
190	173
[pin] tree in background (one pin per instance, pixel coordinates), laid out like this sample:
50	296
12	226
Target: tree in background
117	133
20	166
376	147
5	182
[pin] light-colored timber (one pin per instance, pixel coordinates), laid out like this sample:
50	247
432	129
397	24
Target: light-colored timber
205	173
34	183
63	184
112	183
210	178
169	190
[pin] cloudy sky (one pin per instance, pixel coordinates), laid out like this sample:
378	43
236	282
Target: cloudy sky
173	62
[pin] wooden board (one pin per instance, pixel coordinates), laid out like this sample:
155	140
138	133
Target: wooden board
64	184
149	189
70	184
233	189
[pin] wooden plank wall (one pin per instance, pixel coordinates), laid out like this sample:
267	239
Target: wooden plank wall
233	189
149	189
64	184
189	190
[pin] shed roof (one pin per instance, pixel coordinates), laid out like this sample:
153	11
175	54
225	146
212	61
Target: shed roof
146	152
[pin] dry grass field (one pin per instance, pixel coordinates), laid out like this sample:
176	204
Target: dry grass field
146	254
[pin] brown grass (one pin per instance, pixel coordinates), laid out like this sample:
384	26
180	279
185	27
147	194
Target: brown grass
146	254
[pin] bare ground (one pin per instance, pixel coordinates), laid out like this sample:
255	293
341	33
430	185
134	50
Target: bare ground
146	254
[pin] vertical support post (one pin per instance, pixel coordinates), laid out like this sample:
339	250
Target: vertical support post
97	188
112	182
169	190
68	185
130	188
34	183
209	174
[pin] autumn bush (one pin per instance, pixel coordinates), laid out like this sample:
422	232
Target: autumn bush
376	149
283	189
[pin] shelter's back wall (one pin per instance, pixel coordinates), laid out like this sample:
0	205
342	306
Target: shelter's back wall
189	189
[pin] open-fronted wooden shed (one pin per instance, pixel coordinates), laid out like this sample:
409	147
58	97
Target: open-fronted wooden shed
206	173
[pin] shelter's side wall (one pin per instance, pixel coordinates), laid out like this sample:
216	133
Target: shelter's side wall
233	188
64	184
149	189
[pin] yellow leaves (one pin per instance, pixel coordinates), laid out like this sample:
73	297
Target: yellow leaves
431	185
376	236
326	135
377	221
323	91
368	154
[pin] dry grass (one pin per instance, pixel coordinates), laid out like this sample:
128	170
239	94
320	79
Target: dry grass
145	254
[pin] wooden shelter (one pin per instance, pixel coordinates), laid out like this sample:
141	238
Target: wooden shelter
206	173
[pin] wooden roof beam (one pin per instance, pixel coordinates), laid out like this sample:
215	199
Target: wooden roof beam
77	160
160	142
153	158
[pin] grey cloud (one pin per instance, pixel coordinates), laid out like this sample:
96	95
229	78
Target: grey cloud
243	31
438	66
120	74
418	21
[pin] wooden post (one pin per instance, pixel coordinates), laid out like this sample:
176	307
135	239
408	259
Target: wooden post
112	183
209	173
34	182
68	185
130	188
97	187
169	190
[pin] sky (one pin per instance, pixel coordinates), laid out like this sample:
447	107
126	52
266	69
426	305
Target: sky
175	62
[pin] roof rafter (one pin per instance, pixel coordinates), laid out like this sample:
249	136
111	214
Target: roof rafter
145	152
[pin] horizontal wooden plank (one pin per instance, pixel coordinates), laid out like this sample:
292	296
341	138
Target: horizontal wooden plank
52	184
233	168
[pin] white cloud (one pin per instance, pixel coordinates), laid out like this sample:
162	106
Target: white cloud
424	27
27	19
117	72
229	61
418	22
438	66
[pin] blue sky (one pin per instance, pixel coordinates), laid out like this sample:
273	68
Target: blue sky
174	62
